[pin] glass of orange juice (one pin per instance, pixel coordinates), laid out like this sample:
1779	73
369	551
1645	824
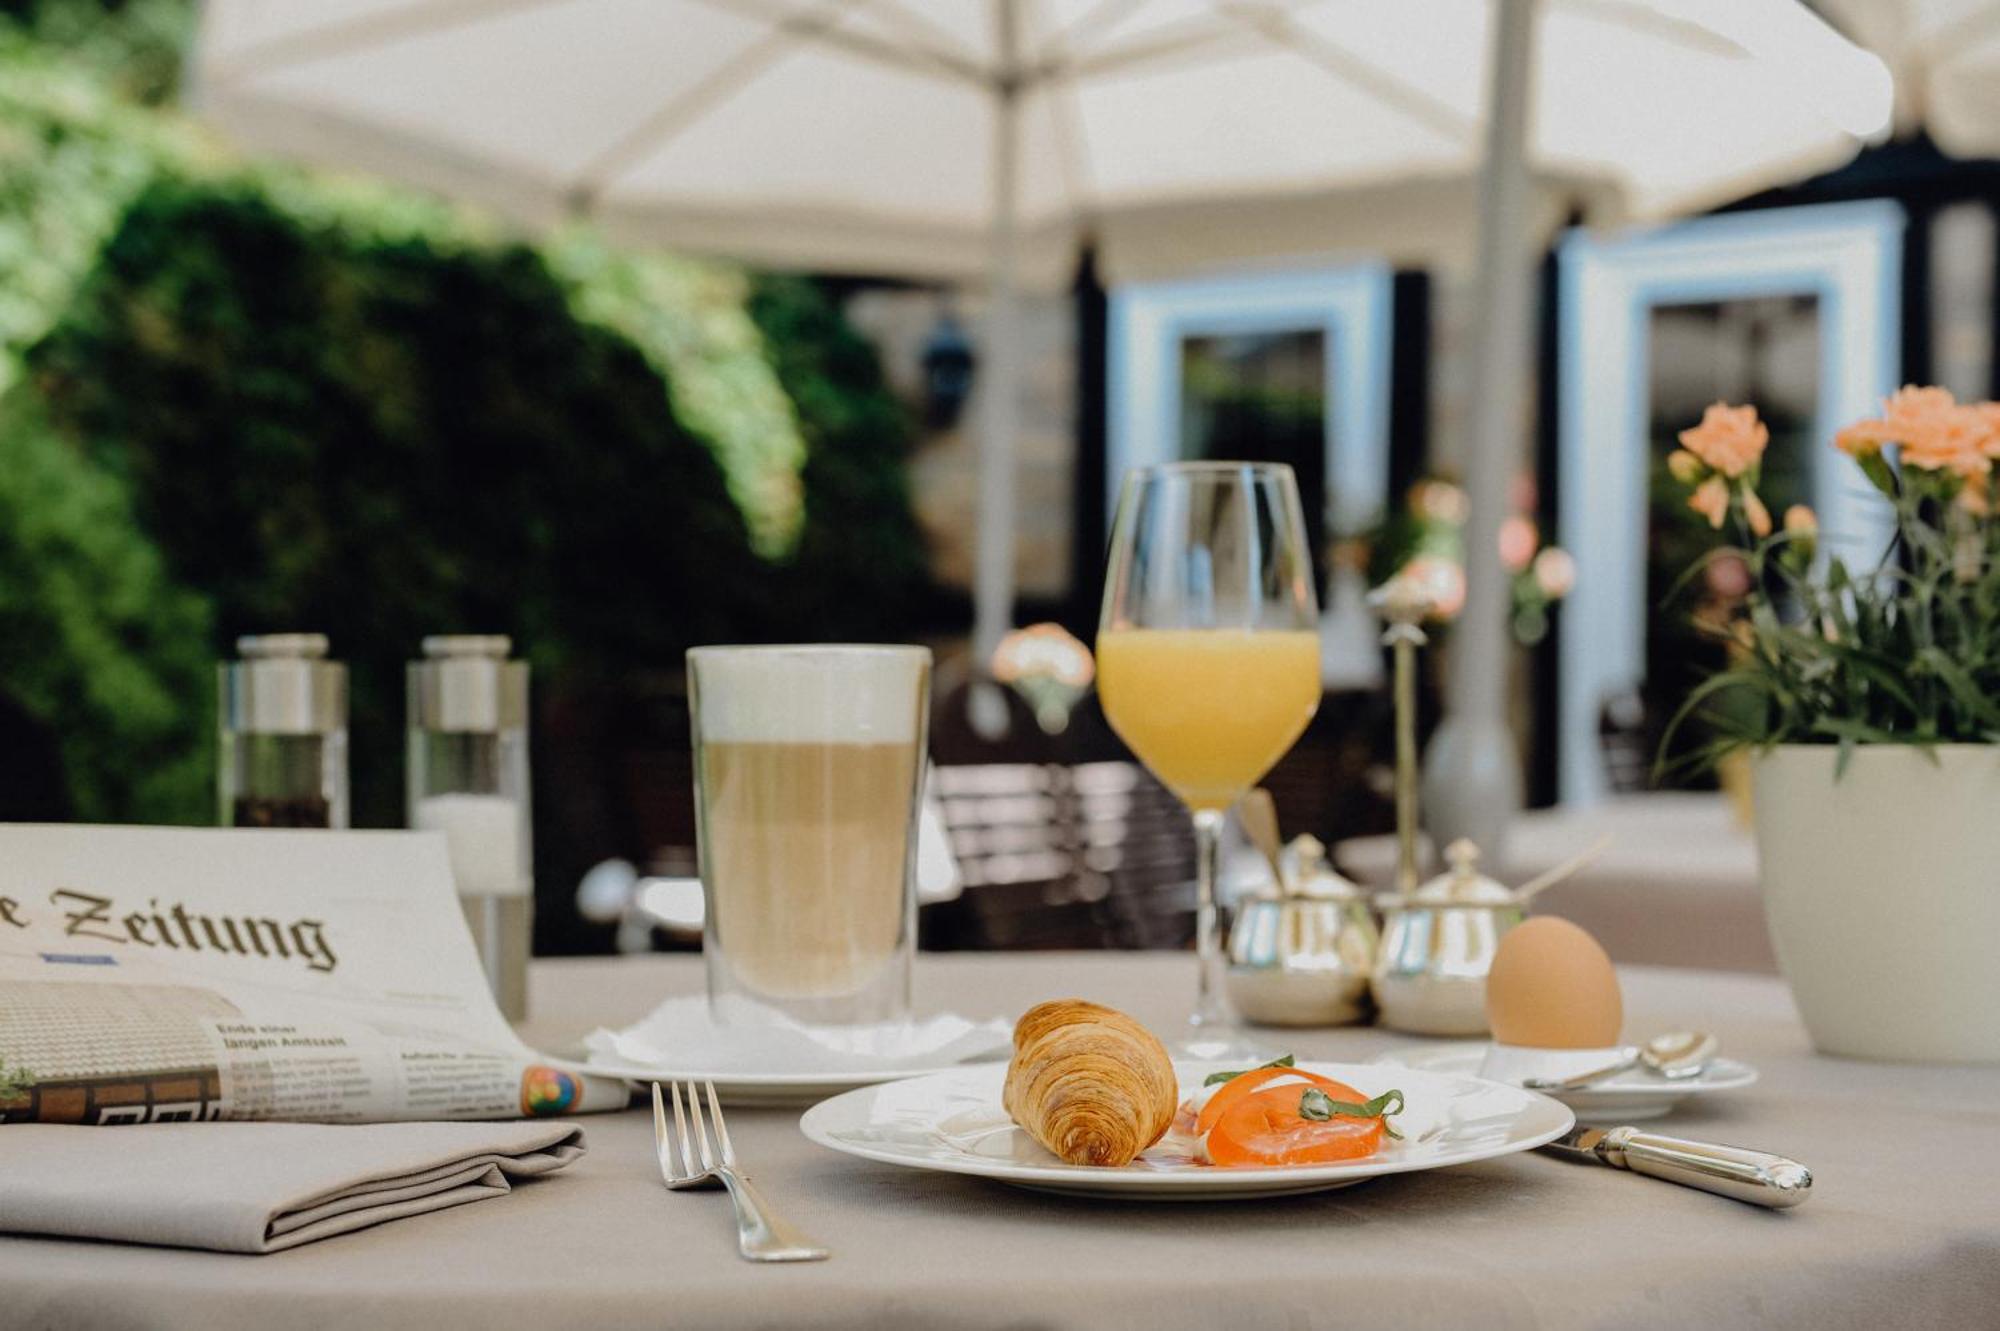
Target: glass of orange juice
1208	661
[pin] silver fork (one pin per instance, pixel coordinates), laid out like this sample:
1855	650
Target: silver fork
760	1235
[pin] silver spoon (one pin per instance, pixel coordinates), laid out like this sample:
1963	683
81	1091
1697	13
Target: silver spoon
1259	816
1675	1056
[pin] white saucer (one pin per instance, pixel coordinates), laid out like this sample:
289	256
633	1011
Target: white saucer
771	1060
1631	1096
953	1123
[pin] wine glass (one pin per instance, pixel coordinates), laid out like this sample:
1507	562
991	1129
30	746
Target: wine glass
1208	661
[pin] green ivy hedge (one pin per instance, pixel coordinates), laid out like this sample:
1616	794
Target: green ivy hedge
97	640
383	438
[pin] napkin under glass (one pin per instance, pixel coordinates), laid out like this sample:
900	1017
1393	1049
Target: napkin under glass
680	1036
259	1187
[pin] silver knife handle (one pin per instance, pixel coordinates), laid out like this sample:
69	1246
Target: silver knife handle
1757	1177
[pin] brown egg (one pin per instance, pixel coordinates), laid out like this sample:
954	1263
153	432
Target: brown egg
1552	987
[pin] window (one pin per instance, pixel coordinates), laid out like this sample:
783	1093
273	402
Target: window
1288	366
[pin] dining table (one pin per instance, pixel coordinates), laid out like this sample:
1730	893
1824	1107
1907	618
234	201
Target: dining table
1902	1227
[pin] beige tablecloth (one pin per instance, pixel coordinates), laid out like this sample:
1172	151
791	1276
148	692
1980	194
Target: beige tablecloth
1903	1229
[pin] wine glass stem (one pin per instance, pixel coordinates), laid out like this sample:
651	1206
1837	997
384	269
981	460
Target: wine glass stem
1208	1010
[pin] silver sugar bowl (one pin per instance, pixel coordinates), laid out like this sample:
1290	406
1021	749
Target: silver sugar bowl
1301	951
1438	944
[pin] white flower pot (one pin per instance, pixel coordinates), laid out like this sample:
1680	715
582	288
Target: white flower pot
1882	889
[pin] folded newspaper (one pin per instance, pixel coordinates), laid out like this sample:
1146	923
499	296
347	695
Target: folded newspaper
180	974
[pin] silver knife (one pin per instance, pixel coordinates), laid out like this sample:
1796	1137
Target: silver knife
1757	1177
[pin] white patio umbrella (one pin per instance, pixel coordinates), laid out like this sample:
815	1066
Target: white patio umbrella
946	138
1945	55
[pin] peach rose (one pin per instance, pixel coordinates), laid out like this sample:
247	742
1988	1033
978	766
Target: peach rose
1711	500
1801	521
1729	439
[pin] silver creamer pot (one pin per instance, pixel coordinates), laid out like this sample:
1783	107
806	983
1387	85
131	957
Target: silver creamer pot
1301	952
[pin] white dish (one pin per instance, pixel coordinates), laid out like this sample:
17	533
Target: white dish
952	1122
768	1089
1630	1097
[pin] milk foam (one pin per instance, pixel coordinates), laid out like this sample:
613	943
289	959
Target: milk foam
806	695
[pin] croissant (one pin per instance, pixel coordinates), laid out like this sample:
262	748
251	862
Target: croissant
1089	1083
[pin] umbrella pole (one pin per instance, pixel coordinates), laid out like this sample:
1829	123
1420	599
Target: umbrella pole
999	416
1473	768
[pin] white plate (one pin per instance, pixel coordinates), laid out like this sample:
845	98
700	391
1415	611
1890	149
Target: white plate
1632	1096
952	1122
764	1089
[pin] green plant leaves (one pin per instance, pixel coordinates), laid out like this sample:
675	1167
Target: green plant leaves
1908	653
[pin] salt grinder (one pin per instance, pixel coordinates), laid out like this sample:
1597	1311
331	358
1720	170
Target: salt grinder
468	778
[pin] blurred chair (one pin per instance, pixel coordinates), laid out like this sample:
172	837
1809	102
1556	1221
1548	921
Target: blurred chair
1339	780
1062	840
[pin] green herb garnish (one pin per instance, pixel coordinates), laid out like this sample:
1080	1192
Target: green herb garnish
1320	1107
1217	1078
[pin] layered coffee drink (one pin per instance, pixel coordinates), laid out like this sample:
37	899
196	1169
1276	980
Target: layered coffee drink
809	767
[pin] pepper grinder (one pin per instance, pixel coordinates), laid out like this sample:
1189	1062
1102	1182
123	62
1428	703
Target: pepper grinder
282	711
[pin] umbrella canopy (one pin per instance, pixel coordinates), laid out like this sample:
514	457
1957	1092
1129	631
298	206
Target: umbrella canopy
946	138
1945	55
861	136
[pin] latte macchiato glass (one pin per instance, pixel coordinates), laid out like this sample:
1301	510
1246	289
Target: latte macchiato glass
809	764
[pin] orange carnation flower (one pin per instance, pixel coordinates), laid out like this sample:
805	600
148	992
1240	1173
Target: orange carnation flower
1729	439
1935	432
1911	407
1932	431
1955	442
1862	438
1989	412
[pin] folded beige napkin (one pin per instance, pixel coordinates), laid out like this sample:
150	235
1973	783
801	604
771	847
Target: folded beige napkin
258	1187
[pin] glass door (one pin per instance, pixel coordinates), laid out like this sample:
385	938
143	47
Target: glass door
1261	397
